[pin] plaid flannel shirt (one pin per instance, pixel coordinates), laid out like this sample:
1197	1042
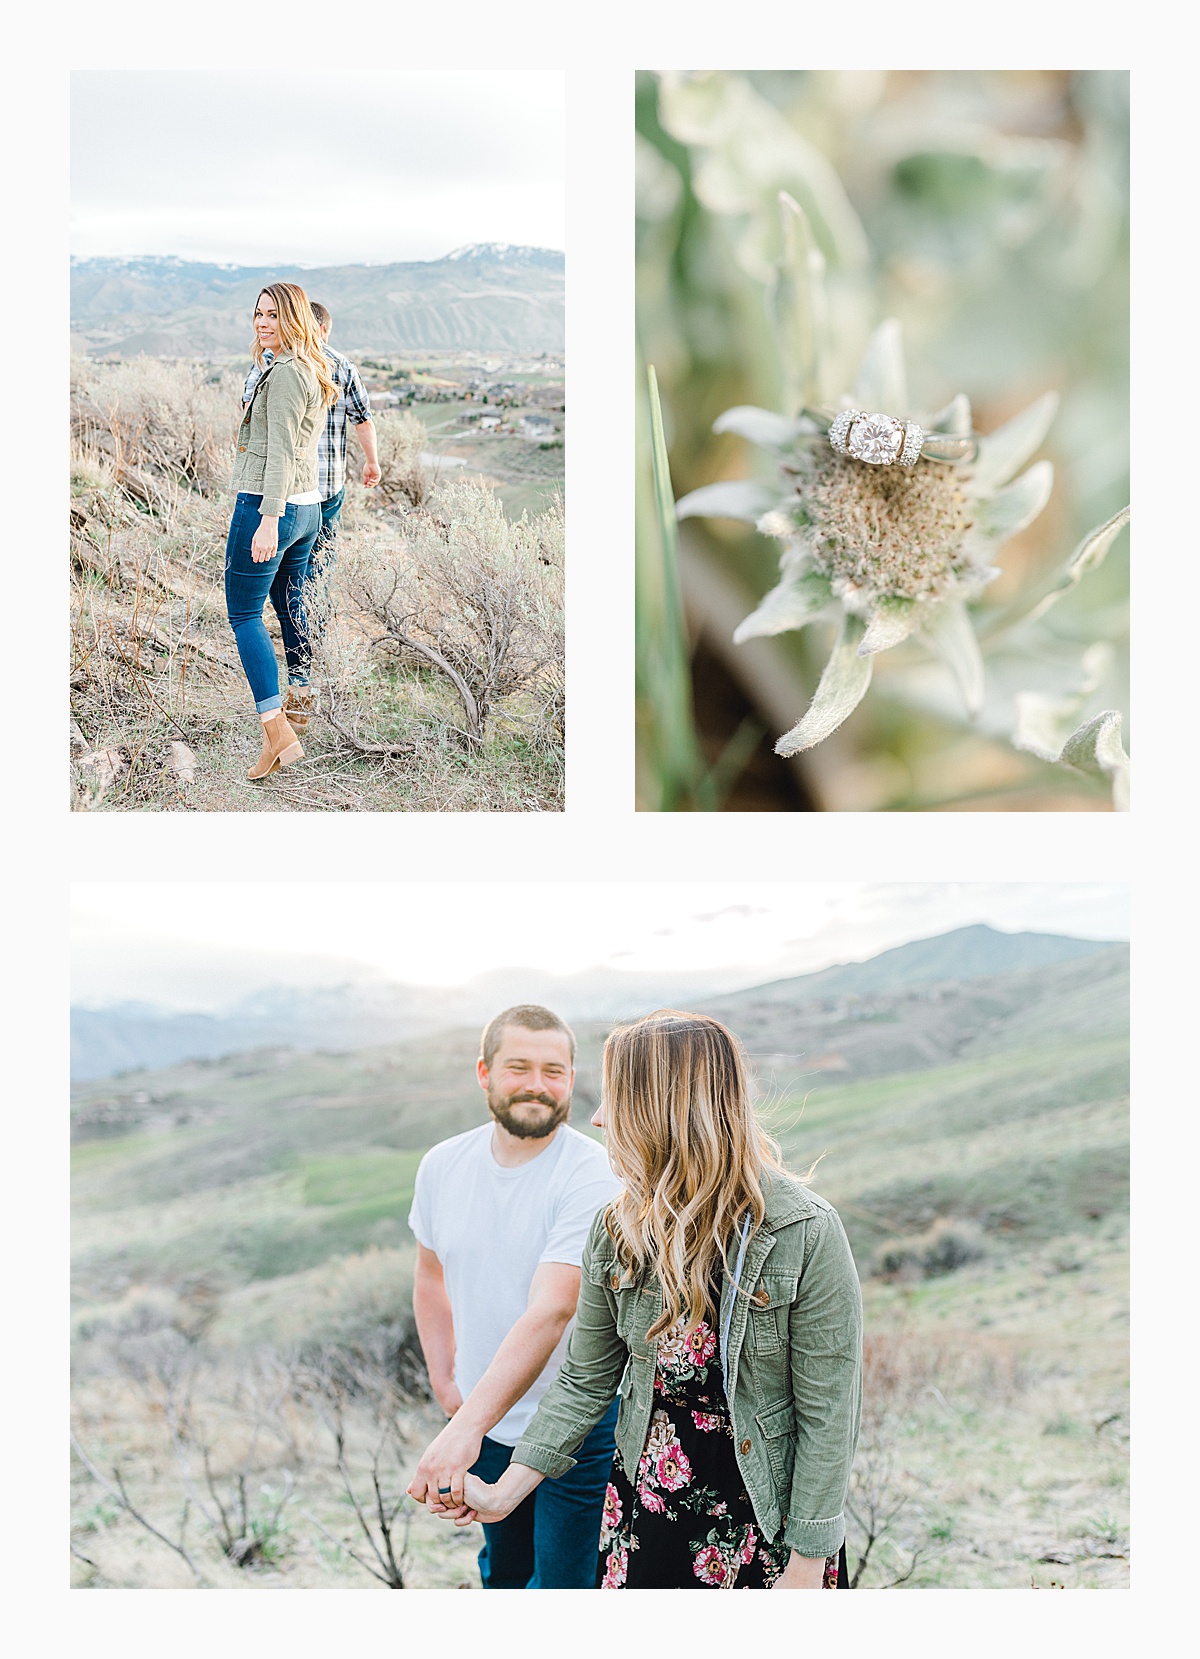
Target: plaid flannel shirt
352	400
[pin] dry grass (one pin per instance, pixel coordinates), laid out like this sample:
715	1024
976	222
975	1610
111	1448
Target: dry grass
153	659
994	1444
239	1459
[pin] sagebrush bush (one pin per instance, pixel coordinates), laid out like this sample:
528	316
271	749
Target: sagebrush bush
407	477
467	592
945	1246
164	428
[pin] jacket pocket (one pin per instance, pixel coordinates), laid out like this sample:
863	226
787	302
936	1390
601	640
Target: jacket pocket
634	1313
769	1307
777	1425
778	1420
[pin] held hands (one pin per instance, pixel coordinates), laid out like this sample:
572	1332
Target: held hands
438	1482
266	541
482	1503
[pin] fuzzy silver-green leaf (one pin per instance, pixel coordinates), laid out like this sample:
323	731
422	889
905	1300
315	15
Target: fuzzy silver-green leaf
948	632
1011	509
955	418
882	384
891	621
738	498
762	426
1096	748
1045	722
798	305
796	600
1087	556
1004	452
842	688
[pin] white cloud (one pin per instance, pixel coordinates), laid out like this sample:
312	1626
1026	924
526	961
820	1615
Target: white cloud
355	167
444	933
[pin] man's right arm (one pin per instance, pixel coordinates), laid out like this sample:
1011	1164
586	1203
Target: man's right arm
435	1328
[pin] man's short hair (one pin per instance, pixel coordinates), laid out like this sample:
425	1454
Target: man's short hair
321	313
530	1016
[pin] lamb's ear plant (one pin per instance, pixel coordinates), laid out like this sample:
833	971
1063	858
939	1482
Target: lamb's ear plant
890	554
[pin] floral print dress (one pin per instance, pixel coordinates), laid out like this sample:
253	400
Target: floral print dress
685	1520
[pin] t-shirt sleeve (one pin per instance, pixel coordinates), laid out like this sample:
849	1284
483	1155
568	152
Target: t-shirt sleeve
574	1216
421	1204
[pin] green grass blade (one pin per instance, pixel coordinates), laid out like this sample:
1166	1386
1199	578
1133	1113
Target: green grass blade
664	670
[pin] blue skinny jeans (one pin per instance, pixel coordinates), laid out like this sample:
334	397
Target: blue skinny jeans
249	585
331	517
551	1541
322	560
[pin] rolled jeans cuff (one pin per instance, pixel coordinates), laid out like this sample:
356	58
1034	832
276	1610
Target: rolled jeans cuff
269	703
816	1539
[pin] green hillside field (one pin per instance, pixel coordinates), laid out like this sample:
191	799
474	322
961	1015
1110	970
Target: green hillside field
245	1220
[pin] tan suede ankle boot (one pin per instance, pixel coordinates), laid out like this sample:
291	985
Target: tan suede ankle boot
280	746
298	704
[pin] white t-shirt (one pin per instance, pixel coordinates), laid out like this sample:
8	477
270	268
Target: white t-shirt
491	1227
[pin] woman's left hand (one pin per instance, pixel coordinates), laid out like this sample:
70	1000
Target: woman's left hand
266	541
481	1503
802	1573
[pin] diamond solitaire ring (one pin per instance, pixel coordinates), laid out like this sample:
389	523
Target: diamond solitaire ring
884	441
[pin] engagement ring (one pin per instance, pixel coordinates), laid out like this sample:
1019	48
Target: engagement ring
884	441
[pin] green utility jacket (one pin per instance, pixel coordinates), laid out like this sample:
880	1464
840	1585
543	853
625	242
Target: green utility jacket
794	1365
277	440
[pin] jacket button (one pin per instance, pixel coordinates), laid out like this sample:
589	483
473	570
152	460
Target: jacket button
762	1297
615	1280
745	1448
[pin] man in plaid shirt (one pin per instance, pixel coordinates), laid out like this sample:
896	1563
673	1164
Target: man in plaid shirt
331	478
331	450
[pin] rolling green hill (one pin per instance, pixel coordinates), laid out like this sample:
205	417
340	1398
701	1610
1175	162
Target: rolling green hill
997	1101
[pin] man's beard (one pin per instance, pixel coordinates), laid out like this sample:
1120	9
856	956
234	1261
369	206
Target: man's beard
501	1108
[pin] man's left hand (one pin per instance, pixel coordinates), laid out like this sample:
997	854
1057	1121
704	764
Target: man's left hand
445	1462
371	474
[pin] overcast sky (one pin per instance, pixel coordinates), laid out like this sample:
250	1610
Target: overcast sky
198	944
346	168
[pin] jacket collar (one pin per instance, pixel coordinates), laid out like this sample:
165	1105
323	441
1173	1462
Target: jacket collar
283	357
785	1200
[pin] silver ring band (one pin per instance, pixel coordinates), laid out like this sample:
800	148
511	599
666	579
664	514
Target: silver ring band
885	441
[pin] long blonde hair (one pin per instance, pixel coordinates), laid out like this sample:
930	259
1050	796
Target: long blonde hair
682	1135
299	334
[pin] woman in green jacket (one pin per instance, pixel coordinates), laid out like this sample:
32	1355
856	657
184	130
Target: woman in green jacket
278	510
719	1299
